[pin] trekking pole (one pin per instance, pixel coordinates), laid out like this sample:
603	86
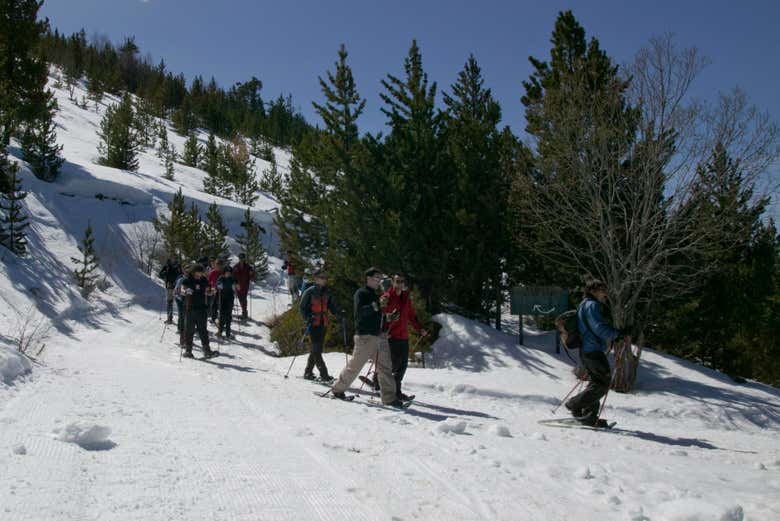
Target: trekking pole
300	344
344	331
618	356
163	333
576	386
162	304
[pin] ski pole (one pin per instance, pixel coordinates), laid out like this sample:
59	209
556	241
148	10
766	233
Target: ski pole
300	344
183	337
344	331
163	333
576	386
618	357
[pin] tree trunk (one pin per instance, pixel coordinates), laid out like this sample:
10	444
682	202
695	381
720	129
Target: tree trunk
626	364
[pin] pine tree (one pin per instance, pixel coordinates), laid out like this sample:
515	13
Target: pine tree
39	143
252	246
194	237
239	171
215	232
192	152
13	222
118	138
480	194
84	273
162	140
271	181
216	182
168	162
422	188
24	71
173	228
95	86
183	119
144	124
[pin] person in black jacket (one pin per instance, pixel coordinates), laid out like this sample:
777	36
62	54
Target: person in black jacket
226	294
195	289
315	305
169	273
369	343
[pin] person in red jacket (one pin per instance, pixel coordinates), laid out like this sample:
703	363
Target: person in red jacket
244	275
399	313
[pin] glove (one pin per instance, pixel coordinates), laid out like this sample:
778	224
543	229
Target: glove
393	316
188	292
375	306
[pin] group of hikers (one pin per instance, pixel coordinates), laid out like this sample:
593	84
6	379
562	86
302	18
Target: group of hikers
382	316
201	295
381	333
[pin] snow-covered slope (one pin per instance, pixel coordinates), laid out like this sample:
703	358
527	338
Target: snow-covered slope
113	426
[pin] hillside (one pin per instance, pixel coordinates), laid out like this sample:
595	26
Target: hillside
111	424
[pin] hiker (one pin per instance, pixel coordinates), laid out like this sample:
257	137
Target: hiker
399	313
294	280
369	343
226	294
315	304
244	275
177	295
217	267
196	290
596	334
169	273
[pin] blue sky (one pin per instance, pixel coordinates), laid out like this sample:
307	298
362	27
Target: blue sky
288	44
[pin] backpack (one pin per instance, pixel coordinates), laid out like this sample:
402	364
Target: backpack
566	324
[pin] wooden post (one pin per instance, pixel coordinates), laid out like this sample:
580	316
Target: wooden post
520	333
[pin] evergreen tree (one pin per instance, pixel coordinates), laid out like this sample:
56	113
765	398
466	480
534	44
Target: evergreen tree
215	232
183	119
118	138
84	273
144	124
239	170
13	222
192	152
216	181
252	246
24	70
162	143
480	202
271	181
168	162
39	143
173	228
95	86
194	237
421	185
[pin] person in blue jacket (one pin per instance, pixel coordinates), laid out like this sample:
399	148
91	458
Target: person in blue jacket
597	334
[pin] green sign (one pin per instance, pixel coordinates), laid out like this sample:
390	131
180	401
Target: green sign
539	300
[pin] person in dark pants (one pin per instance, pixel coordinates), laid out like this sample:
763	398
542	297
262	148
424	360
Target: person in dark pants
196	291
596	334
244	274
316	302
169	273
399	313
226	293
177	295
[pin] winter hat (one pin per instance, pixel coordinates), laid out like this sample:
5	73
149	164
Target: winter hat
196	268
370	272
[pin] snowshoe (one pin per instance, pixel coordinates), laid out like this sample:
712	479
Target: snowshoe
370	383
188	354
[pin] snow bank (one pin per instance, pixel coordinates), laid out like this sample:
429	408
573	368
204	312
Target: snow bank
88	436
12	365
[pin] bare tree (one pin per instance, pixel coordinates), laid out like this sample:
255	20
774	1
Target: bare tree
616	195
30	333
145	245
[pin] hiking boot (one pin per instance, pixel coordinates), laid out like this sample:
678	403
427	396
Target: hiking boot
575	411
406	397
340	396
308	376
326	378
188	354
169	321
398	404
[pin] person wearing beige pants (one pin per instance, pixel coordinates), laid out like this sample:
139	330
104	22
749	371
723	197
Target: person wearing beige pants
369	347
370	342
